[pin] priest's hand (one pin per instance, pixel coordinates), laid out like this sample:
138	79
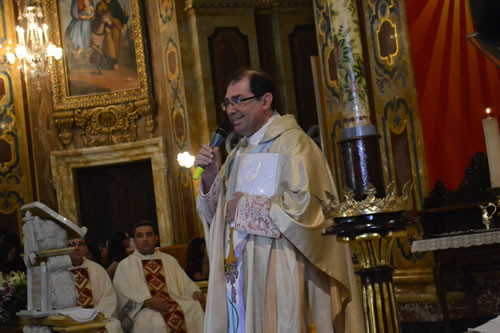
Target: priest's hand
207	158
232	205
198	296
156	303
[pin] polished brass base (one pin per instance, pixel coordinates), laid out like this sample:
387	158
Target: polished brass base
370	238
379	299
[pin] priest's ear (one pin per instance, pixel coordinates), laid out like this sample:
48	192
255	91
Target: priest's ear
267	101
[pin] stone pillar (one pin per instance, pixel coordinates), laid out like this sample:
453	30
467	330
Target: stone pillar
169	84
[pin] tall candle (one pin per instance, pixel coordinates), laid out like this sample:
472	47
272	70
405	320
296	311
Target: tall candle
492	138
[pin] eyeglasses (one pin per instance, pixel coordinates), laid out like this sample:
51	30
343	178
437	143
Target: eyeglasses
79	243
236	100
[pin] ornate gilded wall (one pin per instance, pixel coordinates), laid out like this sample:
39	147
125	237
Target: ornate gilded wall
34	127
15	174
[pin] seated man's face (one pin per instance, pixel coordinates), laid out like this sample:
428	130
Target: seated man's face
145	239
80	250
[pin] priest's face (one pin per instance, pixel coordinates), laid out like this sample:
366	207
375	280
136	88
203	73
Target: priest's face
79	250
249	115
145	239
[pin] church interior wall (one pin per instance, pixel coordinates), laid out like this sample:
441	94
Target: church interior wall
186	115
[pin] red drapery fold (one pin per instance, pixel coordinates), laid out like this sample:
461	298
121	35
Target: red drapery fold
455	84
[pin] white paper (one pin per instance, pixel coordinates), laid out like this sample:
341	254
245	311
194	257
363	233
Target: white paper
258	174
492	326
79	314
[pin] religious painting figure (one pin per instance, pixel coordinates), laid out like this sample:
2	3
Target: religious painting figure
114	19
100	42
271	270
78	31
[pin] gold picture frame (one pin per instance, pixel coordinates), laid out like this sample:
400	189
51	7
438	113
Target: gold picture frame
101	83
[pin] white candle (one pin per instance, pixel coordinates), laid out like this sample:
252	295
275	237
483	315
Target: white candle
45	27
39	31
492	138
20	35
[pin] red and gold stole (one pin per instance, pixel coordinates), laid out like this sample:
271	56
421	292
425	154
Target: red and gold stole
83	287
153	272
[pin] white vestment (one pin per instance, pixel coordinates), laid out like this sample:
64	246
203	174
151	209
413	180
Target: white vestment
281	266
132	290
103	294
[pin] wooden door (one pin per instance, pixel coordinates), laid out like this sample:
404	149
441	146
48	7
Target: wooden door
115	197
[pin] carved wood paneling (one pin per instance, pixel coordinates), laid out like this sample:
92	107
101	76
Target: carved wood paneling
267	53
302	46
229	51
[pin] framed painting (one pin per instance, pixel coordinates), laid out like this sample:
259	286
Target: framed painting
103	59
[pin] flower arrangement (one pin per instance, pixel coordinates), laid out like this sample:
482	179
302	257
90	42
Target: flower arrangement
12	296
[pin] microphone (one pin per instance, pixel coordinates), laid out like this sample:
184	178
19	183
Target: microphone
217	139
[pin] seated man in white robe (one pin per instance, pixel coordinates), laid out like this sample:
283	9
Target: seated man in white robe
154	292
94	286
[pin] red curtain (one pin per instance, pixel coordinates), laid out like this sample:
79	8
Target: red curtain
455	84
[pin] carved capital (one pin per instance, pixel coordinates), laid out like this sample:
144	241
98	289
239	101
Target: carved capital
145	110
64	124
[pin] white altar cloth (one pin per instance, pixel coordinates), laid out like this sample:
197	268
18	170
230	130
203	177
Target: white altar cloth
453	242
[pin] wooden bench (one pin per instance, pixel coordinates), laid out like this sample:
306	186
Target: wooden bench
179	252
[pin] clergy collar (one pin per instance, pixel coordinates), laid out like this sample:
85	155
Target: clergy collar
146	256
255	138
83	262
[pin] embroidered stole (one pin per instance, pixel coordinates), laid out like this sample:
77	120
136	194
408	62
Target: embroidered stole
233	261
83	287
155	278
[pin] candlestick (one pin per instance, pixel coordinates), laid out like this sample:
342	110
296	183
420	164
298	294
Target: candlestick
492	139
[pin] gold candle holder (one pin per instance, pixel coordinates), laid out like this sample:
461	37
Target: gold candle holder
370	227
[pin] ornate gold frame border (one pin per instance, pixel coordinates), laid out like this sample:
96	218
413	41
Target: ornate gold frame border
58	75
65	162
188	4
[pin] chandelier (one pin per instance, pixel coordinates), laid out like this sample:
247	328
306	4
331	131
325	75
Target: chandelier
34	50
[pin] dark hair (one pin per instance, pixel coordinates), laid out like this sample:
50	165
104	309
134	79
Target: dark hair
116	250
16	265
94	251
194	257
5	248
146	223
259	81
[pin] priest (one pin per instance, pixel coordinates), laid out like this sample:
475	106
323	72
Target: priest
93	285
154	293
271	270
